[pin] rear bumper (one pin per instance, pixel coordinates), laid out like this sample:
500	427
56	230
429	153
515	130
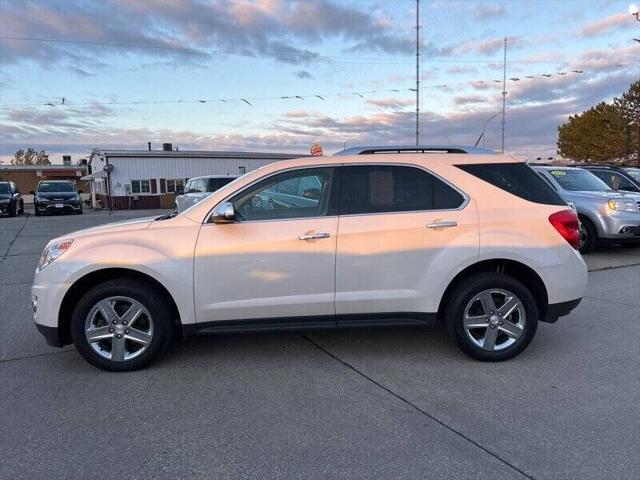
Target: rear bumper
50	334
561	309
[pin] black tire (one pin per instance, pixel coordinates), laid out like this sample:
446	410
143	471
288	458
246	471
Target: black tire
21	211
13	211
79	212
36	212
149	297
474	285
588	236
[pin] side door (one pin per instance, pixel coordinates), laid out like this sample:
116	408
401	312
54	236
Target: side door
402	232
275	261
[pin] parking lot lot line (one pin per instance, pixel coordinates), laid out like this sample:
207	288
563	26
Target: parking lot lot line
415	407
11	242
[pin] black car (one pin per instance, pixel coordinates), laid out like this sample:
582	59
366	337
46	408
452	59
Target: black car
57	196
617	178
10	199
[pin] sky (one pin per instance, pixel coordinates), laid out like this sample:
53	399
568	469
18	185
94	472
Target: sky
279	75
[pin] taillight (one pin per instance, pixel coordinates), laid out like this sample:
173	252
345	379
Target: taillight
567	224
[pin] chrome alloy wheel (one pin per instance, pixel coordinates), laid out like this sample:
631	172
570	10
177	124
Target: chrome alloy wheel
494	319
119	328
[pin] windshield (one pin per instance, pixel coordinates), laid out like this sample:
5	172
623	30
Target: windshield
634	172
578	180
51	187
4	188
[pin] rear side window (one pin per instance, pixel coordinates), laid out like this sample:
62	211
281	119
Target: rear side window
516	178
383	188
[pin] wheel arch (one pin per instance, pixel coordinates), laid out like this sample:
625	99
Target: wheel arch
96	277
516	269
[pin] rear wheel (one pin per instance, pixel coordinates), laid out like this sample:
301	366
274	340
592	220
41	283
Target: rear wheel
122	325
588	236
13	211
492	316
21	211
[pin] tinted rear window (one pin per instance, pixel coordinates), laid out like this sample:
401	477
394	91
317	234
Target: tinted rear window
516	178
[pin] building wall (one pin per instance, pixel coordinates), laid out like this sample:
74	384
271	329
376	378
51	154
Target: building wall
27	180
158	170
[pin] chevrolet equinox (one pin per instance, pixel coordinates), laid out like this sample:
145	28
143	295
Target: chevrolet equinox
371	236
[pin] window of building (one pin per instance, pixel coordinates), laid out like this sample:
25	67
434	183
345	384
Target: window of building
140	186
175	184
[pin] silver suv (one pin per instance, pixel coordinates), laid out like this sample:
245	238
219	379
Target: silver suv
199	188
606	216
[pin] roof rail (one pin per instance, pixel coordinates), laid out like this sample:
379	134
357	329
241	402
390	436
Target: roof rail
371	150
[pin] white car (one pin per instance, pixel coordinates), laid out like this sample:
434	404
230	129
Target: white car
368	238
199	188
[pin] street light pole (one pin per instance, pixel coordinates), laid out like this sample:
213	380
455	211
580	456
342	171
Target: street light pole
484	128
417	72
504	91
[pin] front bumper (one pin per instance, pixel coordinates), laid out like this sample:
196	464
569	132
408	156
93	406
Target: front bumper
621	226
52	207
46	300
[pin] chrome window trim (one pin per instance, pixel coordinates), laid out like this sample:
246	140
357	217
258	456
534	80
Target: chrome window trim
463	205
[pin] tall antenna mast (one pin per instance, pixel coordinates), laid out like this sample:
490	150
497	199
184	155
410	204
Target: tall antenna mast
504	90
417	72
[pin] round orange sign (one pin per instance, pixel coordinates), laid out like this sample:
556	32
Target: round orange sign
316	150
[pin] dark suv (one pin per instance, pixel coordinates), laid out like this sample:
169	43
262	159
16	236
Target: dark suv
57	196
617	178
10	199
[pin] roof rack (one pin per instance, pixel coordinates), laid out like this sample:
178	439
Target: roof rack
371	150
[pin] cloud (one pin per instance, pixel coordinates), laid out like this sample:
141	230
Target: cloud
303	74
484	47
458	69
612	22
467	99
191	30
390	103
485	11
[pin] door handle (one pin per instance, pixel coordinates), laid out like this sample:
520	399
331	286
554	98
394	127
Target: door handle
442	224
314	236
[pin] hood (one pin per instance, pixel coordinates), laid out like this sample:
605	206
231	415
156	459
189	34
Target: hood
57	195
116	227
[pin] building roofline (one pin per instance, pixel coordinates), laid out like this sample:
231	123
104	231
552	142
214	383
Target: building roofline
43	167
197	154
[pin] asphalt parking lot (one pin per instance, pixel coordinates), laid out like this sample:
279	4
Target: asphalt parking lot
400	403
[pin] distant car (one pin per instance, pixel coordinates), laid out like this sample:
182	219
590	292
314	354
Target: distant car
56	196
634	172
606	216
11	201
616	177
199	188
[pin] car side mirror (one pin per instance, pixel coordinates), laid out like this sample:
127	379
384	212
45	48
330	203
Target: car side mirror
179	190
32	192
224	213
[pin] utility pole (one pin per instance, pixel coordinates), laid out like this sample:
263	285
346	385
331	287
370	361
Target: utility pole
504	91
417	72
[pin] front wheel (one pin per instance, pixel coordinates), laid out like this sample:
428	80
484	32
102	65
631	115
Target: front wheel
492	316
588	236
13	211
122	325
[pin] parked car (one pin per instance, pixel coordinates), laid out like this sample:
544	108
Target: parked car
475	240
11	201
199	188
606	216
617	178
56	196
634	172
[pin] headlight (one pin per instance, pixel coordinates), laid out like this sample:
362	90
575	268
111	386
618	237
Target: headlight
52	252
622	205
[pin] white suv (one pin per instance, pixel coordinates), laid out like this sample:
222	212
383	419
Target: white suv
368	238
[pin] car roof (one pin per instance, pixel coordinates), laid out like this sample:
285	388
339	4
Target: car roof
380	149
551	167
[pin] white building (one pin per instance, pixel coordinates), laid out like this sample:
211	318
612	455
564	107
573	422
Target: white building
123	179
